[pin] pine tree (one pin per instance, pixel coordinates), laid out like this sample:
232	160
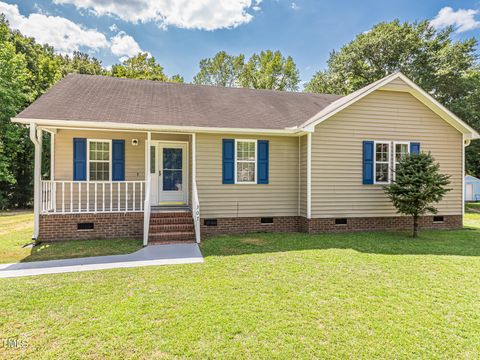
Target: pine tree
417	187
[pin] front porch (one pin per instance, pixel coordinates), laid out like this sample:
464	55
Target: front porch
106	171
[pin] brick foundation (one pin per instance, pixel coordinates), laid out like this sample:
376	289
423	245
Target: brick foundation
313	226
241	225
130	225
106	226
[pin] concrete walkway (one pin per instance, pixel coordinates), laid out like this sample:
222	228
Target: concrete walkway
151	255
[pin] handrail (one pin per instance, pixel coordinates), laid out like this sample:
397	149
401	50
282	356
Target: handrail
146	221
68	197
196	212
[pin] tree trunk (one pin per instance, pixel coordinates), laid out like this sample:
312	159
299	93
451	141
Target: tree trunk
415	226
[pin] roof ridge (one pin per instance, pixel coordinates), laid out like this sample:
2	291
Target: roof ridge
103	99
202	85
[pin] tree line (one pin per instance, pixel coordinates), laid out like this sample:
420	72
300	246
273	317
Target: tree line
446	68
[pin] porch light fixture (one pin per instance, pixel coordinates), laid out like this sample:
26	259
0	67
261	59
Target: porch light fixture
134	142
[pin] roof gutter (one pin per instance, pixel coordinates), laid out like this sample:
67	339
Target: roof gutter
148	127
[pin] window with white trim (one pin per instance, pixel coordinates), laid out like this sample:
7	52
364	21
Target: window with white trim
402	149
99	158
245	161
382	162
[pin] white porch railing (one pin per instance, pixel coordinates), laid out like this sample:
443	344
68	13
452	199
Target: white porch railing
67	197
196	212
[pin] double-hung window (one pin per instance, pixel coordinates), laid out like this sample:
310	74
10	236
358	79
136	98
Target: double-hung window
402	149
382	162
99	160
245	161
387	156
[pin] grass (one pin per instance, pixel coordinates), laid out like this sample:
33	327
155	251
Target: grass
16	230
366	295
472	214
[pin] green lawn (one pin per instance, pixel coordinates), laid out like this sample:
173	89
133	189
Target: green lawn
16	230
369	295
472	215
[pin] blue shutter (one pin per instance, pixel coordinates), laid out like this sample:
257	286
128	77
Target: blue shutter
414	148
118	160
262	162
79	159
368	153
228	166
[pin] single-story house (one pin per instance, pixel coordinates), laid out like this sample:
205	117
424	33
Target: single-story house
171	162
472	188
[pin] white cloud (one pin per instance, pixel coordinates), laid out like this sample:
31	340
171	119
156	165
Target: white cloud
124	46
188	14
113	28
64	35
39	9
294	6
462	19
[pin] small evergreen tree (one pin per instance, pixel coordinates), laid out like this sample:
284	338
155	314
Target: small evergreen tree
417	187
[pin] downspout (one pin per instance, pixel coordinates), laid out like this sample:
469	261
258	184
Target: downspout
309	175
35	137
466	142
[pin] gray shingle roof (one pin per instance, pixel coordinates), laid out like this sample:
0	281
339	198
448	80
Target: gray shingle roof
127	101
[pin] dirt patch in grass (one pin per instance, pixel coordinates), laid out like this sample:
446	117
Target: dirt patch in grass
254	241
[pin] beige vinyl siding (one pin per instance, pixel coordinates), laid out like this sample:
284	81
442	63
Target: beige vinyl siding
396	85
134	155
278	198
303	176
337	188
134	169
117	195
170	137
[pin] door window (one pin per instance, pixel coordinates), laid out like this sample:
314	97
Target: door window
172	169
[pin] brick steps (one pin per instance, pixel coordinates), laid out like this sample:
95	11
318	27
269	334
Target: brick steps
170	214
172	236
170	227
171	242
171	220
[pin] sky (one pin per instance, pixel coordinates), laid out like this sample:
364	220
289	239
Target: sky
178	33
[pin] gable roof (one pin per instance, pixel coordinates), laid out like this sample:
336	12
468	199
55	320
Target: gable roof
410	87
101	99
108	102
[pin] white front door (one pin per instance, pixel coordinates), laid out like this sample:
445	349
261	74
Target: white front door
169	181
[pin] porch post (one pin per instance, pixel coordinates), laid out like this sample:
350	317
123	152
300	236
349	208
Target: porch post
195	201
36	138
52	156
194	161
309	175
146	208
